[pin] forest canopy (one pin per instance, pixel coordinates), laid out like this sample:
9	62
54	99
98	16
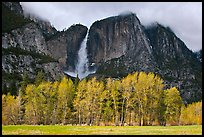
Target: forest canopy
137	99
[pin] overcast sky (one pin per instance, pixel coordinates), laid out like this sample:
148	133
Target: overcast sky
184	18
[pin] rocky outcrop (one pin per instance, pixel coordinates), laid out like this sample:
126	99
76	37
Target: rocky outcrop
45	26
14	6
30	45
179	66
64	46
121	45
199	55
12	17
116	36
29	37
24	50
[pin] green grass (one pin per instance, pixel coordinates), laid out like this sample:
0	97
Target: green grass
101	130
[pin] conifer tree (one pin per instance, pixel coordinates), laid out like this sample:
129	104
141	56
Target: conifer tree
21	95
39	78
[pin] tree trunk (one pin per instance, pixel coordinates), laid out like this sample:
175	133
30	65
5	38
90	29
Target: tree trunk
122	115
140	116
79	118
54	116
65	114
131	118
116	120
21	109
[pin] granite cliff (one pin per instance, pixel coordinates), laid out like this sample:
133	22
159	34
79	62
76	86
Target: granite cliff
30	45
116	46
120	42
120	45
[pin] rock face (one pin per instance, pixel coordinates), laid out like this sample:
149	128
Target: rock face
116	36
121	45
199	55
29	37
25	50
15	7
32	45
64	46
179	66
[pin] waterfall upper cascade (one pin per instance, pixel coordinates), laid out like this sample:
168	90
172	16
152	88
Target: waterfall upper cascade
82	69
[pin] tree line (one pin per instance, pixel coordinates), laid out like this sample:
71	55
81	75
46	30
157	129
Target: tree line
137	99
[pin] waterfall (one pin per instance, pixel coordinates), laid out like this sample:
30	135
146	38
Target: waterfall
81	68
82	65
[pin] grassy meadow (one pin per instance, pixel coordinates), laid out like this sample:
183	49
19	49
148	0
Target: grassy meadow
100	130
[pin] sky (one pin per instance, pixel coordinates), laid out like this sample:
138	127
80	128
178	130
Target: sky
184	18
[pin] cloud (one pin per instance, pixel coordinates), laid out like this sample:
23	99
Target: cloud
184	18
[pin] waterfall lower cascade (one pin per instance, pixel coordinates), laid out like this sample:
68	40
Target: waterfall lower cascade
82	69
